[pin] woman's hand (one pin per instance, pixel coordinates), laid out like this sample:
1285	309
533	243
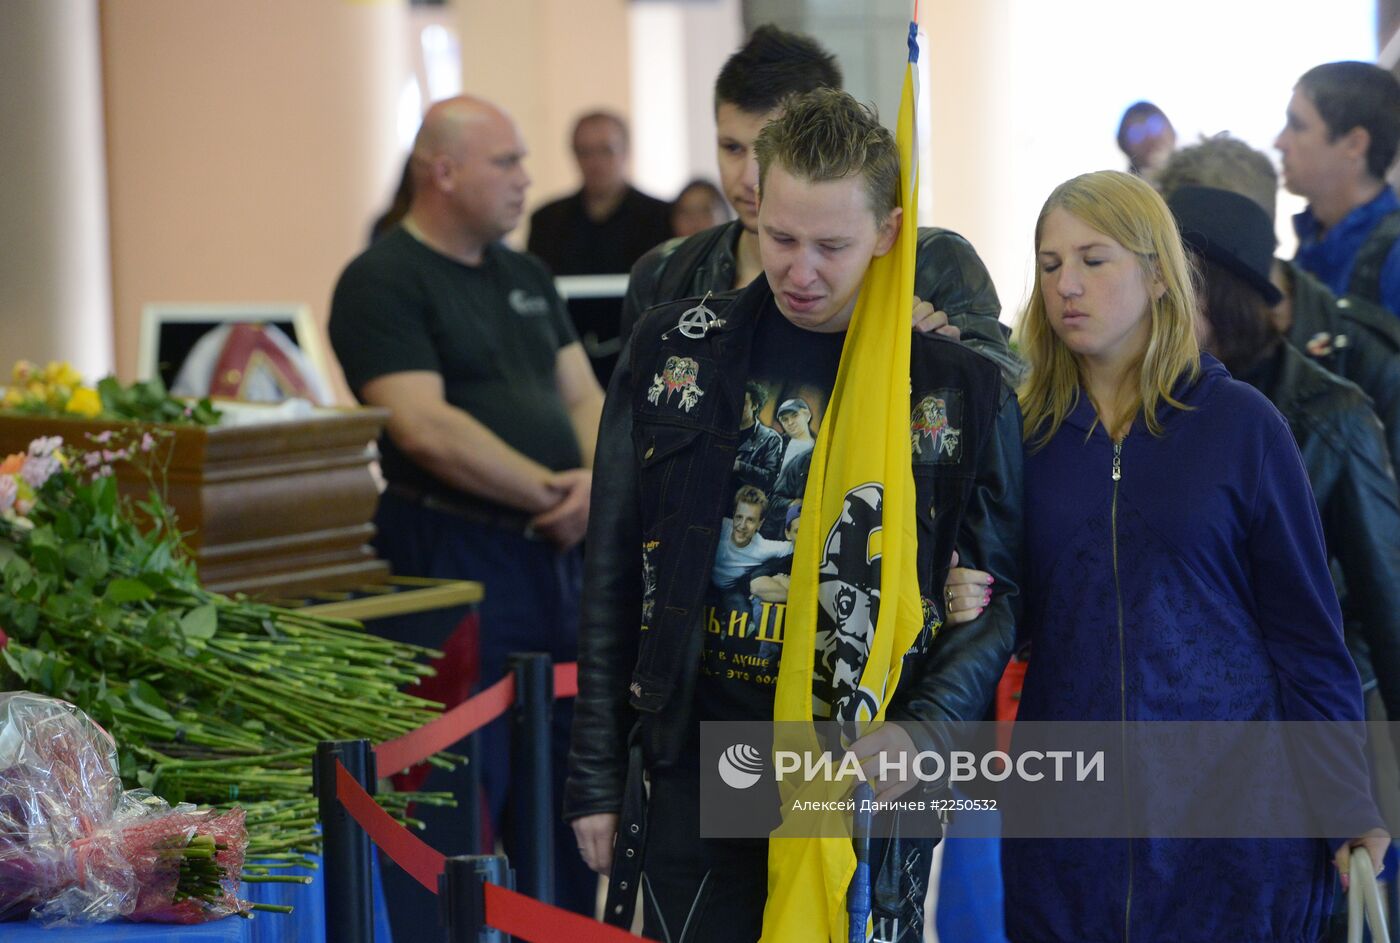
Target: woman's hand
1376	841
966	592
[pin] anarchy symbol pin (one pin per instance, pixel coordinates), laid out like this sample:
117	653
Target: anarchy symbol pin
696	322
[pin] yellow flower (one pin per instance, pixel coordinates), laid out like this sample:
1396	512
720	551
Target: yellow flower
84	402
14	396
61	373
23	371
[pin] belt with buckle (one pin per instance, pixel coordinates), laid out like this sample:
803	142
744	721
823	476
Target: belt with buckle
491	515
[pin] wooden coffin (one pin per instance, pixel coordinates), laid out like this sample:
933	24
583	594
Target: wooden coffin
274	509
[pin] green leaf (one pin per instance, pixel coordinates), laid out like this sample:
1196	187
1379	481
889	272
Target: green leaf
148	701
45	552
12	658
200	623
109	390
127	590
104	492
126	765
86	561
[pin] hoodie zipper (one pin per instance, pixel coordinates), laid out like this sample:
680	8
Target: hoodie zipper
1122	673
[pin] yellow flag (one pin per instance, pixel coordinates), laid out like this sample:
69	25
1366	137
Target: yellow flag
860	488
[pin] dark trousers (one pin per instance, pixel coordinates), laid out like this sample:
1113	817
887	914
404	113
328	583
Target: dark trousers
530	605
698	890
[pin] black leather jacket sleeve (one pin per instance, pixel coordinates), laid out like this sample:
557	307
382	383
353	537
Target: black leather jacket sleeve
1363	512
952	277
642	285
958	675
1378	374
611	613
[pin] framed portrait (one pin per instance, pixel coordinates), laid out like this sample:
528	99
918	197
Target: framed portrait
173	334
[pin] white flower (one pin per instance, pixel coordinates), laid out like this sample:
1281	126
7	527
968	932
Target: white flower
9	489
44	446
38	469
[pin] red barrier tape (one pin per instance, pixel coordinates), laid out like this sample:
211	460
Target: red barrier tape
440	733
466	718
527	919
566	680
516	914
406	849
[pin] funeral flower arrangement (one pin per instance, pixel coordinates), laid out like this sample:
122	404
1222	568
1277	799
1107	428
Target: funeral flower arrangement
58	390
76	849
209	699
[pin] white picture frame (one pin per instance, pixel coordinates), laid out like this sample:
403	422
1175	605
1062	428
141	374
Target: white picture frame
158	316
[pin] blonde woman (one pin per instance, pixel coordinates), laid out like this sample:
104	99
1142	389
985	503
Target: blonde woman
1175	571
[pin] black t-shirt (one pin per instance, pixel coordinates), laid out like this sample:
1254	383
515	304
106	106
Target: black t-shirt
570	242
492	331
792	371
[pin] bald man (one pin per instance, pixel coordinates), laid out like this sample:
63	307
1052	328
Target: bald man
495	414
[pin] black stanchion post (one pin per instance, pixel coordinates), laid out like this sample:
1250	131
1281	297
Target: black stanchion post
345	870
531	792
462	897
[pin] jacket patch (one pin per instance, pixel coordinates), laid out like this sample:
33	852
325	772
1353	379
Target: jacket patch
935	427
679	375
648	582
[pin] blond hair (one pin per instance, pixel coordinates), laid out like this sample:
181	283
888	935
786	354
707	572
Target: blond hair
825	134
1131	213
1226	163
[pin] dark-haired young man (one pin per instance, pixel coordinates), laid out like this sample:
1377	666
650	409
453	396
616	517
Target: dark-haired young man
657	645
759	456
1340	139
749	93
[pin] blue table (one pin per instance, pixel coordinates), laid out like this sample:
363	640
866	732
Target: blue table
306	924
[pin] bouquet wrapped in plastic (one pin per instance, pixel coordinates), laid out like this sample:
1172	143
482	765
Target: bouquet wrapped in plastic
76	849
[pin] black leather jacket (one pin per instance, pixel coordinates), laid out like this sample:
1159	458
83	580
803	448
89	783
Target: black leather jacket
1352	338
1340	440
658	499
948	273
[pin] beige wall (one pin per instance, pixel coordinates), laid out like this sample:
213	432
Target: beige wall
249	146
546	62
972	151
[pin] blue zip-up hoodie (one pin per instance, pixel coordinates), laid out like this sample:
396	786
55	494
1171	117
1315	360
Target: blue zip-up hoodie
1192	588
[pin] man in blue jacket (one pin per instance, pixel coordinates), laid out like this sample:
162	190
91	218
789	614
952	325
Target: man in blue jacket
1340	140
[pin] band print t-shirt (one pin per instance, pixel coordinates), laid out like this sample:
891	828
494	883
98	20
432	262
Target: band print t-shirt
791	373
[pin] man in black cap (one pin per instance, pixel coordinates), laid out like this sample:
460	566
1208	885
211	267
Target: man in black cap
796	419
1336	431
